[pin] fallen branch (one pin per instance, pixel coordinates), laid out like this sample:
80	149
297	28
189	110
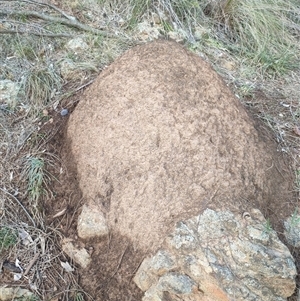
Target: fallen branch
72	23
51	35
49	5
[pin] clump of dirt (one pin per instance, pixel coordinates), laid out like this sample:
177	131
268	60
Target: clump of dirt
161	135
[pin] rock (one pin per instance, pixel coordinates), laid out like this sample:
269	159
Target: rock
146	32
11	293
64	112
149	271
77	45
178	35
158	136
91	222
220	256
170	286
9	92
69	70
79	255
292	230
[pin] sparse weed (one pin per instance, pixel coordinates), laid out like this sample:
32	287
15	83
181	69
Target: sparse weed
8	238
78	296
267	227
26	51
138	8
29	298
295	218
297	180
246	90
167	26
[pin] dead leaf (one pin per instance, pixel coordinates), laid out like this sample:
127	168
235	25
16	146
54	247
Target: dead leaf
25	237
60	213
297	130
66	266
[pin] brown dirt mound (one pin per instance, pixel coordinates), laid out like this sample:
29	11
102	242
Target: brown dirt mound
159	135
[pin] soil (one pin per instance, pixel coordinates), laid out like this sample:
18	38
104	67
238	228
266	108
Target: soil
116	258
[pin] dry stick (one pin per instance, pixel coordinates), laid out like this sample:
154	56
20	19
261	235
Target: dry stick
19	203
119	264
71	23
51	35
78	89
31	263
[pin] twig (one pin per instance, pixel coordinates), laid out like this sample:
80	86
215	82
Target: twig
137	267
119	264
31	263
83	86
68	22
19	203
51	35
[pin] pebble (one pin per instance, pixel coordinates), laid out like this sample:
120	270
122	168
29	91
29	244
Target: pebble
64	112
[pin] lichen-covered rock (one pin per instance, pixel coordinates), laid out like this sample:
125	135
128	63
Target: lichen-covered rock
16	293
77	45
218	255
159	135
9	91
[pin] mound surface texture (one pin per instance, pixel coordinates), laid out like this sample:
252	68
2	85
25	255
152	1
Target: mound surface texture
158	137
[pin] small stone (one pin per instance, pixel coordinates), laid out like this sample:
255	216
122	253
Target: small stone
144	279
80	256
177	35
77	45
64	112
146	32
68	70
229	65
11	293
9	91
91	222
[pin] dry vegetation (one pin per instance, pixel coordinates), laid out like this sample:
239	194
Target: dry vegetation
253	44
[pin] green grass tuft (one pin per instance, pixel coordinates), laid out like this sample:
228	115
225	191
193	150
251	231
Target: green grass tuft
37	178
8	238
40	85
